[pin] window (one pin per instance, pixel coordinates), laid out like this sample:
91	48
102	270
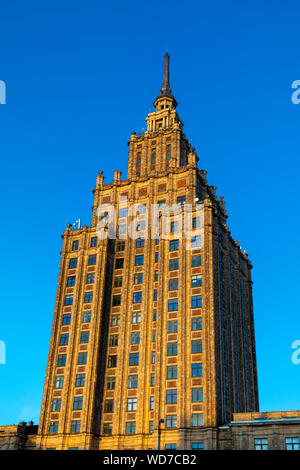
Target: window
59	381
171	396
61	360
69	299
173	284
86	317
156	276
132	381
136	317
292	443
171	349
82	358
139	260
197	370
142	209
138	278
56	404
196	281
75	245
155	294
172	372
93	242
174	245
119	263
138	162
118	281
153	357
196	241
197	346
53	427
150	426
113	340
123	212
77	403
88	297
197	419
137	297
172	305
75	425
196	261
261	444
134	359
197	395
171	421
154	315
80	380
174	227
115	320
197	323
131	404
135	337
181	200
107	429
122	229
112	361
152	403
90	278
170	446
130	427
153	335
140	242
109	406
156	256
153	158
111	383
64	339
196	222
196	301
73	263
141	226
71	281
116	300
84	337
92	260
121	246
161	203
152	380
66	319
173	264
168	155
172	326
198	445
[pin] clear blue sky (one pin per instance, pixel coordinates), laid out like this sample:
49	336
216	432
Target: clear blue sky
80	77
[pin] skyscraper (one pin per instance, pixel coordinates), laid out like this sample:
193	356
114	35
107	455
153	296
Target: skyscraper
153	321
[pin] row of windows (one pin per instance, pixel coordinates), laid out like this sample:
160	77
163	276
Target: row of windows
137	297
171	422
171	398
291	443
136	317
172	350
64	338
92	259
85	318
173	263
196	280
75	244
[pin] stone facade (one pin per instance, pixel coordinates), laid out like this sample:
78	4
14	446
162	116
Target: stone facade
147	330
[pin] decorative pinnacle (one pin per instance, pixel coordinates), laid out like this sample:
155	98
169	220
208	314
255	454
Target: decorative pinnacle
165	89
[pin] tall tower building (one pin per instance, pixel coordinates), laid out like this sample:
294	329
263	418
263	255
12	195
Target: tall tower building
153	330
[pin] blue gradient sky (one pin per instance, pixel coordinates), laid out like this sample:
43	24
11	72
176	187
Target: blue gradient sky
80	77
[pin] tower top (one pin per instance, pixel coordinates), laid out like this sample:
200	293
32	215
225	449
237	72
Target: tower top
166	91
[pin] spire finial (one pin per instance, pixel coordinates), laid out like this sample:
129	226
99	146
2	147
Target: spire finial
165	89
166	77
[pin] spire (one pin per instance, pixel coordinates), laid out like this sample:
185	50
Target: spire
165	89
